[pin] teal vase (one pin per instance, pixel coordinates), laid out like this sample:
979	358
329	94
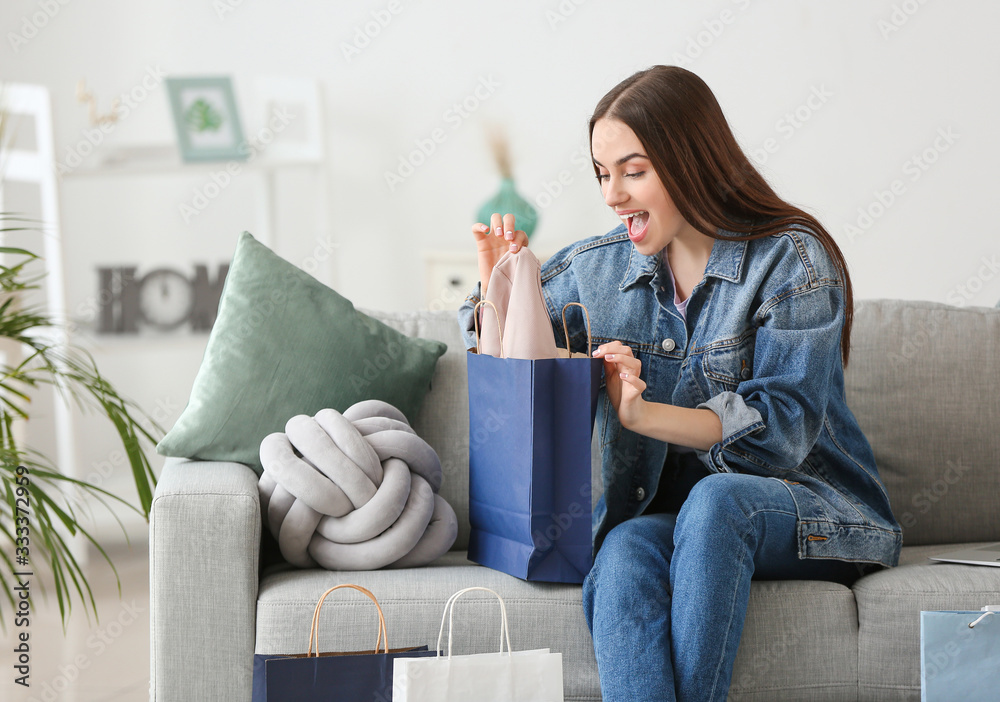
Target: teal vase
507	201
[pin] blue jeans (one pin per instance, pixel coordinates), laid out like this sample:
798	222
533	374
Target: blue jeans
667	596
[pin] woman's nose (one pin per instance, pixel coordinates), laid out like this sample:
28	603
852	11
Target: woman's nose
614	195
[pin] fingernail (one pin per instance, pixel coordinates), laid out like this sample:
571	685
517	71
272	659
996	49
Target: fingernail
596	351
483	228
499	231
514	248
624	375
609	357
508	236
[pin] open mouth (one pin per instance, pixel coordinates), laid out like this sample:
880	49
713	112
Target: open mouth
637	222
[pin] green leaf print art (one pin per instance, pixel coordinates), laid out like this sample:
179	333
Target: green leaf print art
201	116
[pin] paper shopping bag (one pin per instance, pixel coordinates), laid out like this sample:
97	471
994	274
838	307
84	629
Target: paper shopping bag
343	677
530	424
506	676
959	656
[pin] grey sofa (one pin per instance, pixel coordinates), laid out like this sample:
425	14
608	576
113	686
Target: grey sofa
924	382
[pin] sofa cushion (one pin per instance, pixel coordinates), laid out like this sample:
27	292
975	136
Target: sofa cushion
924	381
284	344
800	642
889	606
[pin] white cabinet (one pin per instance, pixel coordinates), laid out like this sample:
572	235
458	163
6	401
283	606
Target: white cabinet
450	276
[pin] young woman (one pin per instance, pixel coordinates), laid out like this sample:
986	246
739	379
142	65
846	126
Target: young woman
723	317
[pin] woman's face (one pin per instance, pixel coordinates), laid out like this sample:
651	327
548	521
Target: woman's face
633	190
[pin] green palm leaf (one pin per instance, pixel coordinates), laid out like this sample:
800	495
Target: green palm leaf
53	508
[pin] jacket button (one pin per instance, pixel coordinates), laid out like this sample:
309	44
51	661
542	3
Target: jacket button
746	373
668	345
640	494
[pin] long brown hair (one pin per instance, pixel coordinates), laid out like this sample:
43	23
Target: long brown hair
709	178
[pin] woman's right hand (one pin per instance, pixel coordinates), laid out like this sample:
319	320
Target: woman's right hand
493	241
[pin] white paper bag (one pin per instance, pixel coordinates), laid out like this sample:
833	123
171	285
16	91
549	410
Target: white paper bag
521	676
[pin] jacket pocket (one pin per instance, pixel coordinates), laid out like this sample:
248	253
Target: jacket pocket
729	362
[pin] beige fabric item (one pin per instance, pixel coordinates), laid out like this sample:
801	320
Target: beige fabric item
515	289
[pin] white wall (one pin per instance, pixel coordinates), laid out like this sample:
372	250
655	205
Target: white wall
893	76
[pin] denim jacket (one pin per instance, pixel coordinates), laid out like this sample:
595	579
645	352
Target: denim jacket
761	349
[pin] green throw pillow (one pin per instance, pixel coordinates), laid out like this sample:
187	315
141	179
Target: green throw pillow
285	344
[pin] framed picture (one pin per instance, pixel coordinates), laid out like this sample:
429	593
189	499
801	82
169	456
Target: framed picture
206	119
289	111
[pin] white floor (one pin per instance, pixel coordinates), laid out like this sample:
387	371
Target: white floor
105	661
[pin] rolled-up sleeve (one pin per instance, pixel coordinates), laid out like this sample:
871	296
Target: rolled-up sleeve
773	420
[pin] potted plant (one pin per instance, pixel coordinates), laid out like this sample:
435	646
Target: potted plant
40	507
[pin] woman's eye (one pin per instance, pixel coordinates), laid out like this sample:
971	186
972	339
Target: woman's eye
602	177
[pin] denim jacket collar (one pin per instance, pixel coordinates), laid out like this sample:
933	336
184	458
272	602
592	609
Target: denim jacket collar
727	258
639	267
725	262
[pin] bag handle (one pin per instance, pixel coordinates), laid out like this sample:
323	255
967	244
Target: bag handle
475	322
449	610
590	341
383	636
981	618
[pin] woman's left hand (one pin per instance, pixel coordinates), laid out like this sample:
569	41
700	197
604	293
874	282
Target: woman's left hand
624	386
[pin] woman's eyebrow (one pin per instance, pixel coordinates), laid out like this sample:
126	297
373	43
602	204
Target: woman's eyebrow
623	159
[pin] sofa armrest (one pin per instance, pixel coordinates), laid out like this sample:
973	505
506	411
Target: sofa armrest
204	549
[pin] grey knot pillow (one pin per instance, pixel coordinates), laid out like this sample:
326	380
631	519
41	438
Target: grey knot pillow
354	491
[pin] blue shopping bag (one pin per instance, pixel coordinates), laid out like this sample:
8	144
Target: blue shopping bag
530	425
959	656
363	676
